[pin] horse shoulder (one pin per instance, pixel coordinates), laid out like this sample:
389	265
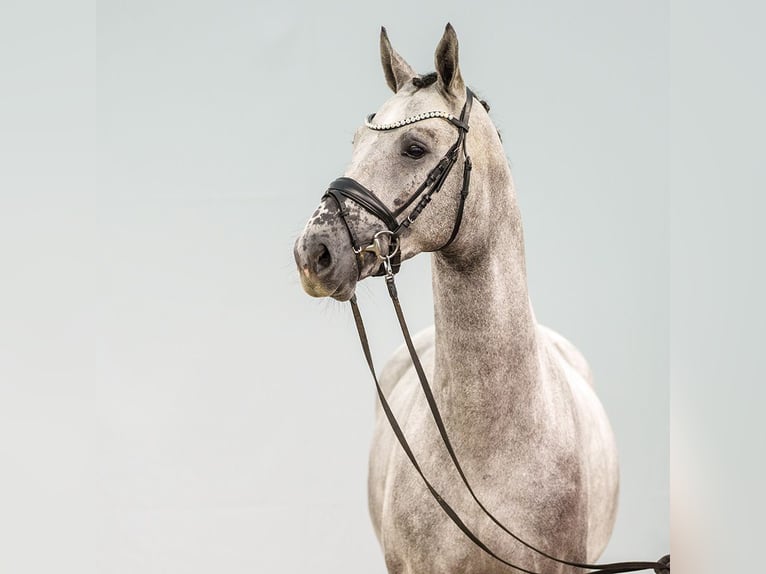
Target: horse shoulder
601	474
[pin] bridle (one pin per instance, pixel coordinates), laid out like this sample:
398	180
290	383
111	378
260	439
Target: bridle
348	188
389	257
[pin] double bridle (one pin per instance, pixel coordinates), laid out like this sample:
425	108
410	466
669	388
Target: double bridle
348	188
389	256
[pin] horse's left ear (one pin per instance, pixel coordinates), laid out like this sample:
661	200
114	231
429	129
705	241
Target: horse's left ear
446	61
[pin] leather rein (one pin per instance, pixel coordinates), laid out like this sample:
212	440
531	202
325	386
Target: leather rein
388	253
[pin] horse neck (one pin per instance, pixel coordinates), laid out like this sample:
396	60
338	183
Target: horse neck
486	352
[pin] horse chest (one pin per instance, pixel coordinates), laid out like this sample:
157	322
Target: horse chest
537	496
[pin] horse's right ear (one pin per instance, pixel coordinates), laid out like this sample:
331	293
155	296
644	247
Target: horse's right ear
446	59
397	71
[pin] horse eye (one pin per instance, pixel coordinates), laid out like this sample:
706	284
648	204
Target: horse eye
414	151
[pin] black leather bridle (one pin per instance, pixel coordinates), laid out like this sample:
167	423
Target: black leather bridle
389	256
347	188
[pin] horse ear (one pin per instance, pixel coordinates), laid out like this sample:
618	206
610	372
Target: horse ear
397	71
446	61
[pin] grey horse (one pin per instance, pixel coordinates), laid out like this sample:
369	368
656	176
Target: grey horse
516	397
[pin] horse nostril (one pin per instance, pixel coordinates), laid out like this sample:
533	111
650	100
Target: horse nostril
324	259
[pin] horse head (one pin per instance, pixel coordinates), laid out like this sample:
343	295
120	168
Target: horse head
401	171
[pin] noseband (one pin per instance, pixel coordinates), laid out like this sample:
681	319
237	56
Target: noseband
388	254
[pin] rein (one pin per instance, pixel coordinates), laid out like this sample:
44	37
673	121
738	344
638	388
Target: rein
389	256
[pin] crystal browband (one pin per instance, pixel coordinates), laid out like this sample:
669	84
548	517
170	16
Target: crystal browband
409	120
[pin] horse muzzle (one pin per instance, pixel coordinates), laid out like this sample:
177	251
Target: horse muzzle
326	266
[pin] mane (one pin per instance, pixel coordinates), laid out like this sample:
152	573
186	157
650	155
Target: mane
428	79
425	80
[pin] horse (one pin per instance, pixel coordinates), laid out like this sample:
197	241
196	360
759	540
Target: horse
516	397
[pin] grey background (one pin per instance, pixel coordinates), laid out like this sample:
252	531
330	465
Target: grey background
717	285
170	401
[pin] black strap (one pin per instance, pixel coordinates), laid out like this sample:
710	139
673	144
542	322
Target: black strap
343	212
467	167
661	567
433	182
355	191
463	194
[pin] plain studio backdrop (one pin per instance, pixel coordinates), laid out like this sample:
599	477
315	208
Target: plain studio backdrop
170	400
